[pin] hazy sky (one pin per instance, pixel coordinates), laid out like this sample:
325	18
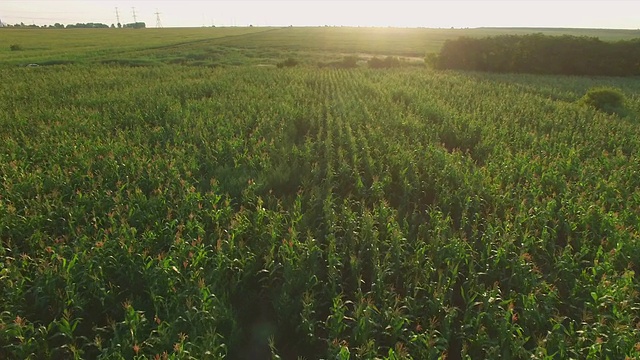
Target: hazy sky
541	13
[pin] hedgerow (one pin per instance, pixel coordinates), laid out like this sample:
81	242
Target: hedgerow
540	54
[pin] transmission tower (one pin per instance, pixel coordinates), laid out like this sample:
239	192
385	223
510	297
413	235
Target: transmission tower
158	22
135	20
117	16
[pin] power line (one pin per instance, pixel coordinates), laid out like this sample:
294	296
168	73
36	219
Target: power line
158	22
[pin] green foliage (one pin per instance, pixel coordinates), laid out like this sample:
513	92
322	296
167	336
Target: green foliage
15	47
97	45
388	62
609	100
184	212
431	60
87	26
247	45
349	62
290	62
541	54
136	25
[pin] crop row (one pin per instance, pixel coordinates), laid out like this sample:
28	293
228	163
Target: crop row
255	212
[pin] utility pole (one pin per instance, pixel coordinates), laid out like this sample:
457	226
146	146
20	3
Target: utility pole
135	20
158	22
118	17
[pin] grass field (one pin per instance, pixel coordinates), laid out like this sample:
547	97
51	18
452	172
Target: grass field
239	46
155	206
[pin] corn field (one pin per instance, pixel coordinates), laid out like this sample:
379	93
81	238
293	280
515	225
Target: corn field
176	212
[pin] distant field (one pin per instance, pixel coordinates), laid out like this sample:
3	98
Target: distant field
393	41
163	197
86	45
237	46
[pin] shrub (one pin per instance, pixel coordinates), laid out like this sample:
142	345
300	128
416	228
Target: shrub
388	62
431	59
15	47
290	62
349	62
605	99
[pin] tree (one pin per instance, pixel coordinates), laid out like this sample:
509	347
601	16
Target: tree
113	26
137	25
540	54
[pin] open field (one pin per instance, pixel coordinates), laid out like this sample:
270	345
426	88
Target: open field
238	46
168	210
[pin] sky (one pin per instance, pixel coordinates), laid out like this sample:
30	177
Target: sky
427	13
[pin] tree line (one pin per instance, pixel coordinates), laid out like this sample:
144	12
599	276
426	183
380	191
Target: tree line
540	54
136	25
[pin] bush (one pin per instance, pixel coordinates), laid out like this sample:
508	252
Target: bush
605	99
349	62
388	62
15	47
290	62
431	59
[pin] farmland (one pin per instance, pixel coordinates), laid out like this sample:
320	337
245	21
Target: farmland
163	196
